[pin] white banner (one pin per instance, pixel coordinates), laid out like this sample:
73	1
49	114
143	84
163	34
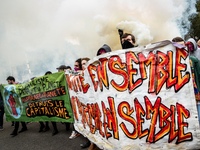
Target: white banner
139	98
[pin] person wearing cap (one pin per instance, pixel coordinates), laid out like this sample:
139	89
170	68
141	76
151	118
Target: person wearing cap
63	68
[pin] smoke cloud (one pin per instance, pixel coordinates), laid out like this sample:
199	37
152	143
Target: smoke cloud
37	36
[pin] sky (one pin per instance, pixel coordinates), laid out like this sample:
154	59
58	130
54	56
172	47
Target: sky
39	35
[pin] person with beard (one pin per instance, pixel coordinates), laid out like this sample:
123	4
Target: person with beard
11	80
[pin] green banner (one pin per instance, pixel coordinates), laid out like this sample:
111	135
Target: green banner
44	98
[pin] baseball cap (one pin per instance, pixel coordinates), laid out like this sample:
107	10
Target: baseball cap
62	67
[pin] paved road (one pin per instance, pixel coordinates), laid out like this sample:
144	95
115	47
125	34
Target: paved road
33	140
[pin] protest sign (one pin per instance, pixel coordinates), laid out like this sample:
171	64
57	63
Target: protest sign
139	98
44	98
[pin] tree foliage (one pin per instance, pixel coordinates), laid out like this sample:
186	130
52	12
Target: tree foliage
194	30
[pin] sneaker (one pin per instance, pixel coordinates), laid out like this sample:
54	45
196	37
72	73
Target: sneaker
74	135
1	127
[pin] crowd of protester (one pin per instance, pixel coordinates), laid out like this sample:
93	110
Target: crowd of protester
127	41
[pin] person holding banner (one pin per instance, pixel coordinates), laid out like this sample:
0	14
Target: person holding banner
195	67
83	63
78	70
11	80
91	145
61	68
44	127
1	112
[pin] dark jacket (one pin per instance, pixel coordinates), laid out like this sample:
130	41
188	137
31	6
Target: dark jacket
195	68
1	101
104	47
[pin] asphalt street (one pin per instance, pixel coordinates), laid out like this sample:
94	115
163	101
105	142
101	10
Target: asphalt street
33	140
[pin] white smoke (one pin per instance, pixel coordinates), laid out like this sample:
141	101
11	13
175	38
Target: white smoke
44	34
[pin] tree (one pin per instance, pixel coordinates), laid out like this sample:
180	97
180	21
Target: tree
194	30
